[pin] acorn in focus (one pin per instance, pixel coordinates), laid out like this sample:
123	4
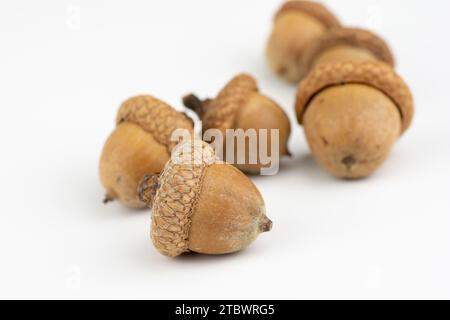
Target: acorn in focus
347	45
297	24
353	114
141	143
203	205
240	105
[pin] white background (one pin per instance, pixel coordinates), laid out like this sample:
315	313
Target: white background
65	67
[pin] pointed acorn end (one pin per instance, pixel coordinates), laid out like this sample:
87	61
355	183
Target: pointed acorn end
147	188
109	197
288	153
265	225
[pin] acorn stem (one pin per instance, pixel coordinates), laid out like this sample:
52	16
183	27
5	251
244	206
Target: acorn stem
147	189
194	103
265	225
108	198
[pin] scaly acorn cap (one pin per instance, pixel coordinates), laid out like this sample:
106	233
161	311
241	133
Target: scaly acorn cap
156	117
174	194
377	75
348	36
313	9
221	112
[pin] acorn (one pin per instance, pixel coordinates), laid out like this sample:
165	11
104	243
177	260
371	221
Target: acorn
201	204
297	24
353	114
141	143
347	45
240	105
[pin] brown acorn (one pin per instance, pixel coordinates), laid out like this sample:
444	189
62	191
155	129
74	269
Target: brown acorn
202	205
297	25
347	45
140	144
353	114
240	105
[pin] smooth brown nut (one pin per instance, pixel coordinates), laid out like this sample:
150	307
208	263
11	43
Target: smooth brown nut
240	105
205	206
297	24
352	115
347	45
140	144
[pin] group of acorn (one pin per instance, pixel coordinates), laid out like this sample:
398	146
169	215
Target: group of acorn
352	105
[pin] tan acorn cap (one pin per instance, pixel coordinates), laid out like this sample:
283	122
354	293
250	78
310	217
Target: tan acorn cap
313	9
154	116
378	75
348	36
177	191
221	112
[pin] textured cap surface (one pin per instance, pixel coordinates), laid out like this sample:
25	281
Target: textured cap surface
155	117
348	36
176	198
313	9
220	113
377	75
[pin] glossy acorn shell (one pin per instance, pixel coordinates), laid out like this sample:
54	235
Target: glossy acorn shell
297	25
352	115
140	144
207	207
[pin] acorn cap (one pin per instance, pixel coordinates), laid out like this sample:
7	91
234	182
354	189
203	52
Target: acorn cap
348	36
221	112
312	9
177	191
155	117
377	75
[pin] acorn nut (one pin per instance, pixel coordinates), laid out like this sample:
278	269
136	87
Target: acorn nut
201	204
140	144
353	114
347	45
297	25
240	105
